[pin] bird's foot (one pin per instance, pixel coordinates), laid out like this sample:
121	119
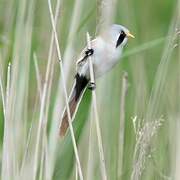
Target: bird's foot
91	86
89	52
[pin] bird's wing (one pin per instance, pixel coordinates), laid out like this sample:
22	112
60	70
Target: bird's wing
74	100
83	56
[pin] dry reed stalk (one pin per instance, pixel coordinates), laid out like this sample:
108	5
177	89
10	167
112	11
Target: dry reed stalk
10	139
90	158
67	64
18	93
100	146
29	134
26	151
49	78
39	131
44	94
50	65
65	91
76	173
38	77
42	161
2	91
5	99
47	160
177	153
122	123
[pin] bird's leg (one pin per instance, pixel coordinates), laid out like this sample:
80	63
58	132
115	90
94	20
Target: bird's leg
91	86
89	52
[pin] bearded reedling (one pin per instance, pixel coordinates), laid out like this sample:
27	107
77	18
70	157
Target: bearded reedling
105	50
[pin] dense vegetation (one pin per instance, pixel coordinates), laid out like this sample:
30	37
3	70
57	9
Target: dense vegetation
138	102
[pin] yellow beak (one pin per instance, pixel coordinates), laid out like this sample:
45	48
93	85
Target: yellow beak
130	35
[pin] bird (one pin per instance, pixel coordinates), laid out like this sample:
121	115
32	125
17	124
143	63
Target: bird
106	50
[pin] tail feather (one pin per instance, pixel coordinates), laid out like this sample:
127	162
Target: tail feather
76	93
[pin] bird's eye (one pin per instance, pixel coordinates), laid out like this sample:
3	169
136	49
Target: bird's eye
122	33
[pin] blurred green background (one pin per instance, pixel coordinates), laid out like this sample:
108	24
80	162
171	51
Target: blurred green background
151	61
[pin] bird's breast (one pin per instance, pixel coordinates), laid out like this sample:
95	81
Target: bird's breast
105	59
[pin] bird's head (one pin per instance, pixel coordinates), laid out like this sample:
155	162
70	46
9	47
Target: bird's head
118	35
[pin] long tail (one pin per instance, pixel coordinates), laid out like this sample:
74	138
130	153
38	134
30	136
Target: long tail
77	91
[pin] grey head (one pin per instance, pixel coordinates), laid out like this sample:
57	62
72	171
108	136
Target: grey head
118	35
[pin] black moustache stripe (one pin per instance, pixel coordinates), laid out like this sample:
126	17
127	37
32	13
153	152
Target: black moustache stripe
120	39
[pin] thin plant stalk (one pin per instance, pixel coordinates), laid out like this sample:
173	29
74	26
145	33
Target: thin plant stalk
39	130
37	75
38	78
48	78
177	154
65	92
67	62
2	92
42	160
76	173
89	165
5	161
122	123
29	136
100	146
44	93
47	160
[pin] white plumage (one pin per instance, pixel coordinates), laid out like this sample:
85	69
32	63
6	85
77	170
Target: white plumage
106	51
106	54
